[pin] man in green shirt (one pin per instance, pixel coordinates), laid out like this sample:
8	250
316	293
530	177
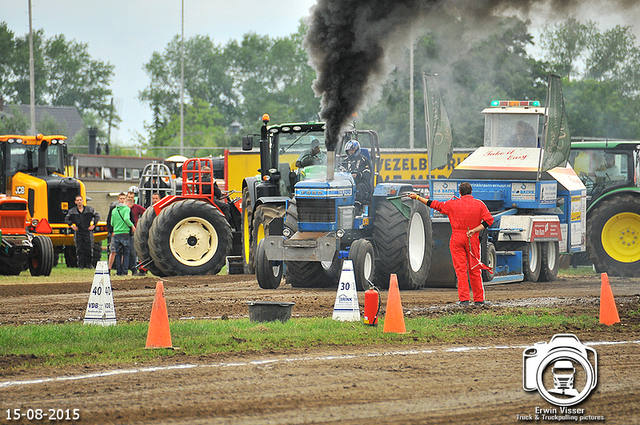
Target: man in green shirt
122	229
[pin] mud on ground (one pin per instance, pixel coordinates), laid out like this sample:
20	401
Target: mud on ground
425	383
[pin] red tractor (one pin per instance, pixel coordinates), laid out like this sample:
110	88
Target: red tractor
188	234
19	249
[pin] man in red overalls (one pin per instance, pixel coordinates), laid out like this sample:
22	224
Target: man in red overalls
467	216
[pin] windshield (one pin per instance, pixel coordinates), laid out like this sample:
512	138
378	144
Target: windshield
297	146
599	168
24	158
511	130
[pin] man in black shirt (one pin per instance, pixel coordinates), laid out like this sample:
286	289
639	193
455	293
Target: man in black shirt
83	220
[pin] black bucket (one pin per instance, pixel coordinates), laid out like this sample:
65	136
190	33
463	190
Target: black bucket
269	311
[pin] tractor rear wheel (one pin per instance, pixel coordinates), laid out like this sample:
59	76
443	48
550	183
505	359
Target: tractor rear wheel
531	261
490	259
41	260
70	258
404	245
550	261
190	237
310	274
141	241
613	227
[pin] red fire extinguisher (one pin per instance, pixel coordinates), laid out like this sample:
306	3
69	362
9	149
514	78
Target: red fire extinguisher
372	304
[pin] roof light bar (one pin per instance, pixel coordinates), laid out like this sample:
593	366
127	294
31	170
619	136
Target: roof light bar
507	103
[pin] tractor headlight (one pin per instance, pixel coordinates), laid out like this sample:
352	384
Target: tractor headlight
340	233
34	222
286	232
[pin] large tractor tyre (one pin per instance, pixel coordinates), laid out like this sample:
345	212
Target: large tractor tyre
613	228
261	220
41	260
309	274
12	270
490	259
550	260
248	248
291	217
190	237
268	273
70	256
363	257
141	241
96	254
404	245
531	261
314	274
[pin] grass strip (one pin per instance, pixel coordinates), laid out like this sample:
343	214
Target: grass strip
78	344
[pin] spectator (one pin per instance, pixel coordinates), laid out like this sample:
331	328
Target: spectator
83	220
217	193
136	213
122	226
155	197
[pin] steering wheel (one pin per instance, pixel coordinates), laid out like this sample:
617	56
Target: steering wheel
308	159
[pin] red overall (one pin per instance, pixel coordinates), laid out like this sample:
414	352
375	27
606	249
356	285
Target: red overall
465	213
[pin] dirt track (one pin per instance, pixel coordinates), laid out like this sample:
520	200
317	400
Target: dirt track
425	383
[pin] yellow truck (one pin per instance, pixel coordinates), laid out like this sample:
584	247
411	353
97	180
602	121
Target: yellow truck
35	168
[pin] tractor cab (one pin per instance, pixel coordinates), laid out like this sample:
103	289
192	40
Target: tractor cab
513	123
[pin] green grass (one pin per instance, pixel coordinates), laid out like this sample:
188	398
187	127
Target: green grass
75	343
579	271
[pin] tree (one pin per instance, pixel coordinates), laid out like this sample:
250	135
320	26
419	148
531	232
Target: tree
64	73
203	127
603	97
566	43
241	81
469	76
14	122
7	48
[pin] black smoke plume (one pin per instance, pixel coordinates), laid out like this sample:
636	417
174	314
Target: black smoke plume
349	40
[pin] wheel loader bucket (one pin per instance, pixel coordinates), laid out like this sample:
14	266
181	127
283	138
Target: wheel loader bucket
397	202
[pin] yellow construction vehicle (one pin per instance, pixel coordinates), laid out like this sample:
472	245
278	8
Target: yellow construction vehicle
35	168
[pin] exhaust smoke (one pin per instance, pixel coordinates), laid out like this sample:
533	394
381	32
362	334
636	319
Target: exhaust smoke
348	42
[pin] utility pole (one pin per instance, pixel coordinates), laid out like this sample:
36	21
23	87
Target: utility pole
411	101
182	85
32	83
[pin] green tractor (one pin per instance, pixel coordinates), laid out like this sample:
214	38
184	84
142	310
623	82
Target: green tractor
609	170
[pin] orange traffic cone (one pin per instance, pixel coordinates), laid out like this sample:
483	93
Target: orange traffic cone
394	316
159	335
608	310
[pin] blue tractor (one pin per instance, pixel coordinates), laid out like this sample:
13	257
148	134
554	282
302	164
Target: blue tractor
307	221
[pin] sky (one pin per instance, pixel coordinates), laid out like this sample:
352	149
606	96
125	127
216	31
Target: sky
125	33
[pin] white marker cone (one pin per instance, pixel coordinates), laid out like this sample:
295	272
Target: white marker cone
346	308
100	308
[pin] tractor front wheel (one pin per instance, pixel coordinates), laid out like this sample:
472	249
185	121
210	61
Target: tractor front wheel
41	260
268	273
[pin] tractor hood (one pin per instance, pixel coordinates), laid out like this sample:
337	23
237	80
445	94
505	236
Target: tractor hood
341	187
499	163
